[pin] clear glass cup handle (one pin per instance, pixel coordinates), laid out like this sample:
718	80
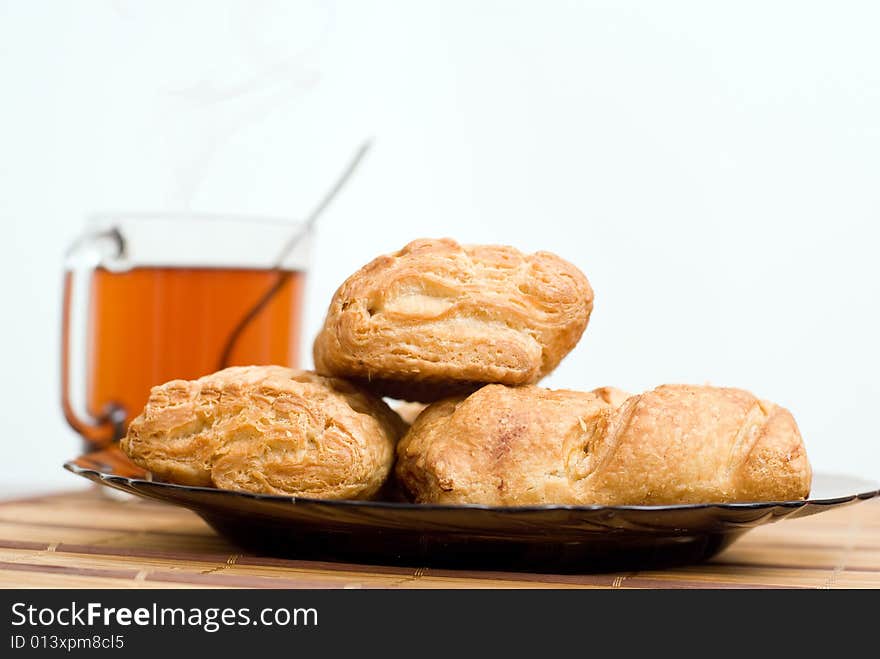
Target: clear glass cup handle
85	254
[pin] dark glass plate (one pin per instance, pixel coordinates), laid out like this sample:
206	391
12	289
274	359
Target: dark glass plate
533	538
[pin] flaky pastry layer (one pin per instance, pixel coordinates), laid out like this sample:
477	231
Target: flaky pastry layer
267	429
438	318
676	444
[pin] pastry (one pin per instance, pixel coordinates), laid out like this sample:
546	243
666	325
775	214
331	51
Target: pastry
676	444
612	395
267	429
438	318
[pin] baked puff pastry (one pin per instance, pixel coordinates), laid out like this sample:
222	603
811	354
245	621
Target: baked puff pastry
267	429
438	318
676	444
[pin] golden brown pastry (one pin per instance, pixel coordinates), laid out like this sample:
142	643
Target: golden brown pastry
267	429
612	395
675	444
438	318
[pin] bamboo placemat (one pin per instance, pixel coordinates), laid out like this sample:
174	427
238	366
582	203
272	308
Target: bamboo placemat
86	539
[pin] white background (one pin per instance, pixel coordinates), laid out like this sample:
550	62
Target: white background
714	168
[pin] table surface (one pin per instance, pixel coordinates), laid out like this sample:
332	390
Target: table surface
88	539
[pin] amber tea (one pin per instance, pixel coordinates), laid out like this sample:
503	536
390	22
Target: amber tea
148	325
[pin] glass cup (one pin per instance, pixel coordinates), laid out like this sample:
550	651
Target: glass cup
150	298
